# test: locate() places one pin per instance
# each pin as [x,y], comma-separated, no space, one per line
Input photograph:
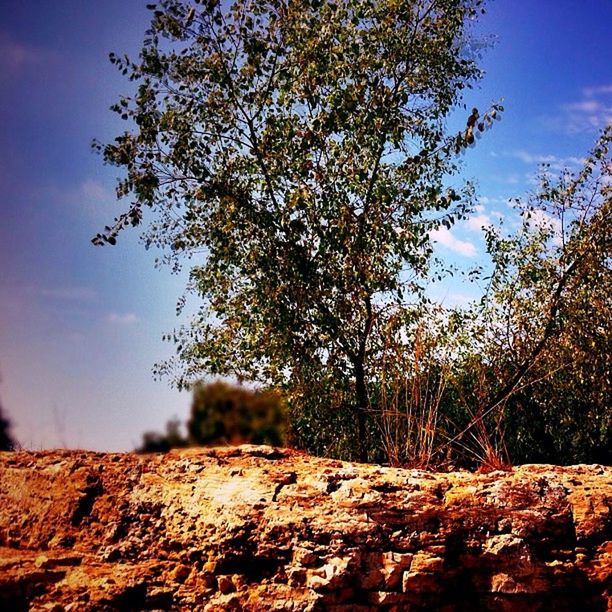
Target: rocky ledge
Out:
[256,528]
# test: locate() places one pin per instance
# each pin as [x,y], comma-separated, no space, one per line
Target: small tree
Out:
[299,150]
[227,414]
[224,414]
[537,364]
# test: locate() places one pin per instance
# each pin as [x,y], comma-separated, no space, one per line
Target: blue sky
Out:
[80,327]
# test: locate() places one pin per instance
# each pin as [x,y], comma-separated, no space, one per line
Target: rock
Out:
[384,570]
[225,584]
[424,563]
[257,528]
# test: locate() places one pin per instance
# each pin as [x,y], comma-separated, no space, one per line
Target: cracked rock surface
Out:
[256,528]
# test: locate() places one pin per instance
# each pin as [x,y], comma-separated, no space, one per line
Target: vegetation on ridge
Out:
[298,153]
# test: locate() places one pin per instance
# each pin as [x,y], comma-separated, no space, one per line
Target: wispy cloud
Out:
[93,191]
[66,293]
[76,294]
[592,112]
[15,55]
[587,116]
[542,219]
[93,197]
[444,237]
[590,92]
[477,222]
[484,201]
[506,179]
[88,195]
[553,161]
[458,299]
[126,318]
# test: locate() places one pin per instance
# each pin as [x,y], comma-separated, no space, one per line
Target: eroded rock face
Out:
[255,528]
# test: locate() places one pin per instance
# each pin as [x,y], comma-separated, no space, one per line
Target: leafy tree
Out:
[537,363]
[299,152]
[222,413]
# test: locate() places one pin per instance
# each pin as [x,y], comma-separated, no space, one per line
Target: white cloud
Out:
[586,106]
[506,179]
[127,318]
[459,299]
[484,201]
[73,293]
[587,116]
[444,237]
[553,161]
[530,158]
[540,218]
[90,196]
[590,113]
[589,92]
[477,222]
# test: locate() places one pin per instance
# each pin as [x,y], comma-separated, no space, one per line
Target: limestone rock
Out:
[256,528]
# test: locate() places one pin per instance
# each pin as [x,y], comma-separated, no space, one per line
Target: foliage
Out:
[225,414]
[6,441]
[538,366]
[154,442]
[221,413]
[524,374]
[299,152]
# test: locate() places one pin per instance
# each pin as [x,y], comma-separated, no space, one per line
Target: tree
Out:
[224,414]
[221,413]
[6,441]
[299,151]
[540,342]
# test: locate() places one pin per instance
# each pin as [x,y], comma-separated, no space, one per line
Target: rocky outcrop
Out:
[256,528]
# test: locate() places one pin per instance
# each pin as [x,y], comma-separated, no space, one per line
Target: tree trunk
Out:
[362,408]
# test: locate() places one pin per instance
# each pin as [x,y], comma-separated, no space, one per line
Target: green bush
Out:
[226,414]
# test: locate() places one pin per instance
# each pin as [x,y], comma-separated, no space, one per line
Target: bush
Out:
[6,441]
[154,442]
[226,414]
